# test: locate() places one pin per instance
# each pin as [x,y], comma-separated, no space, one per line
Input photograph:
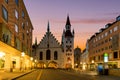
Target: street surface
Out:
[56,74]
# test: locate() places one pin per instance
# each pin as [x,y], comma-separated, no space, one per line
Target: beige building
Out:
[48,52]
[15,35]
[104,46]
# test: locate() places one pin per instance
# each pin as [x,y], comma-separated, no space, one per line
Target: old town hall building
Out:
[50,53]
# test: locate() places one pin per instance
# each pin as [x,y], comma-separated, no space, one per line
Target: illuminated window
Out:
[16,14]
[111,31]
[4,13]
[116,28]
[106,34]
[16,28]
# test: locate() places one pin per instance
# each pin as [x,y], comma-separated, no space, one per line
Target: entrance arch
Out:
[52,64]
[41,65]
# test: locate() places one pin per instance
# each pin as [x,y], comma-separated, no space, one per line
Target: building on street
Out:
[15,36]
[77,54]
[104,46]
[50,53]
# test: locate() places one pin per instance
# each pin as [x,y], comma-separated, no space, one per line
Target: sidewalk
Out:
[13,75]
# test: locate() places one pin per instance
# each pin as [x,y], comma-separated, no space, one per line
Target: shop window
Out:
[4,13]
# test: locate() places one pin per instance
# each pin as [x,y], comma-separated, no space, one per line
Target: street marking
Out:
[39,75]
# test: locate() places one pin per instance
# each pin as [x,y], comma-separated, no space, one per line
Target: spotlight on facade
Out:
[22,54]
[92,61]
[2,54]
[31,58]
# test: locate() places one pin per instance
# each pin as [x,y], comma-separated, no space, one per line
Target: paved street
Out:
[52,74]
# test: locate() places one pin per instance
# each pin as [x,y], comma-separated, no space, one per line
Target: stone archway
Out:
[41,65]
[52,64]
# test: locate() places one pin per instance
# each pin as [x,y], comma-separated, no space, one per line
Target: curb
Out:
[21,75]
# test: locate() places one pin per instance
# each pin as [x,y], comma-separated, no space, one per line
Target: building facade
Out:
[77,54]
[15,35]
[104,46]
[84,58]
[50,53]
[68,45]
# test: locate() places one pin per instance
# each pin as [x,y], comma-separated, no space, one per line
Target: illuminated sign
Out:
[105,57]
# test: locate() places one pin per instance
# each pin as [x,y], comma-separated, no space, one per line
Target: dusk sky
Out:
[86,16]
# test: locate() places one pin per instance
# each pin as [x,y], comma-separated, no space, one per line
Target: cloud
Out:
[92,21]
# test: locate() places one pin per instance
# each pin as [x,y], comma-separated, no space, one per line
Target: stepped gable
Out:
[49,40]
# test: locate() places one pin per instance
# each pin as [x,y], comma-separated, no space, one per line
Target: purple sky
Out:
[86,16]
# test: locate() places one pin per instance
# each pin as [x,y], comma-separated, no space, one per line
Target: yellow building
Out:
[15,35]
[104,46]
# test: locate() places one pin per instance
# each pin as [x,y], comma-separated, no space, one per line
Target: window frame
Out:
[4,13]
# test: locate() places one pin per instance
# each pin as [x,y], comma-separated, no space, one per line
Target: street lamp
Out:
[31,58]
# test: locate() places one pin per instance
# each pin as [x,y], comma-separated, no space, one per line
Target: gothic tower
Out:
[68,45]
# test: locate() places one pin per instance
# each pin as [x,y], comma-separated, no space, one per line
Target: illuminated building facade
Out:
[15,35]
[104,46]
[68,45]
[50,53]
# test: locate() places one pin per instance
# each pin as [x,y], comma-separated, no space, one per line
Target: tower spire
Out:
[68,25]
[48,27]
[68,20]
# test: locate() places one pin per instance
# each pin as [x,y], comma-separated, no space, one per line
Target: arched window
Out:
[55,55]
[48,55]
[41,56]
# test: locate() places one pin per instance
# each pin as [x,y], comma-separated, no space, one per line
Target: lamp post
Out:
[31,61]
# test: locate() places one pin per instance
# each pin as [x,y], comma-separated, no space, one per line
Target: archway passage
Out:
[41,65]
[52,64]
[68,66]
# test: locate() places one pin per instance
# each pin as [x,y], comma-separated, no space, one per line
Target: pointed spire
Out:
[48,27]
[68,20]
